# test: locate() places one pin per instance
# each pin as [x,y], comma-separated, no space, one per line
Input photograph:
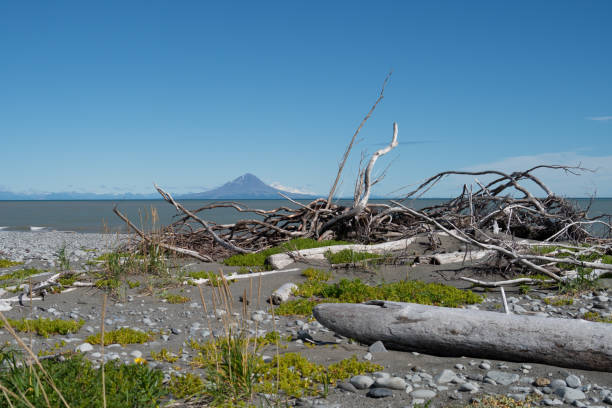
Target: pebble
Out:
[468,387]
[445,376]
[503,378]
[423,394]
[569,394]
[83,348]
[542,382]
[573,381]
[361,382]
[394,383]
[379,393]
[557,384]
[347,386]
[136,354]
[377,347]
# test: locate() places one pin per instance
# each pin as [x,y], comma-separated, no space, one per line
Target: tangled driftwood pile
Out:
[490,217]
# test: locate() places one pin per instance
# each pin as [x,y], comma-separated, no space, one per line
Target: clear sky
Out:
[113,96]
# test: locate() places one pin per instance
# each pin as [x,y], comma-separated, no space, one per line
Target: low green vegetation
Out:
[122,336]
[45,327]
[164,355]
[213,278]
[317,290]
[235,372]
[596,317]
[559,301]
[63,259]
[349,256]
[68,279]
[186,385]
[5,263]
[175,299]
[502,401]
[20,274]
[79,383]
[259,258]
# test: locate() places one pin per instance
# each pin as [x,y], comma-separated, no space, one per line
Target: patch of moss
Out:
[259,258]
[355,291]
[45,327]
[132,284]
[20,274]
[107,283]
[349,256]
[122,336]
[501,401]
[176,299]
[5,263]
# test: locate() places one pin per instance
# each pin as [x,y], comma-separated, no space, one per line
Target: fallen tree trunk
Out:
[464,332]
[279,261]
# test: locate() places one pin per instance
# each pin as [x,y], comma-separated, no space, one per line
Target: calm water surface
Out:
[98,216]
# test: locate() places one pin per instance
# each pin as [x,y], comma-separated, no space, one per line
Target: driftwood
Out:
[283,293]
[499,216]
[282,260]
[463,332]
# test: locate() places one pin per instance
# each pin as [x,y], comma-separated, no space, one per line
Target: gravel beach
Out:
[407,379]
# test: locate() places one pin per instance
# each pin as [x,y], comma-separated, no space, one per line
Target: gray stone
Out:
[136,354]
[445,376]
[377,347]
[347,386]
[485,366]
[468,387]
[518,397]
[379,393]
[502,377]
[569,394]
[367,356]
[394,383]
[557,384]
[361,382]
[423,394]
[83,348]
[551,402]
[573,381]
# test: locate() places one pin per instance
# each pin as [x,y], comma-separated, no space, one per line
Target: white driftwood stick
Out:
[283,293]
[453,257]
[445,331]
[279,261]
[243,276]
[487,284]
[503,293]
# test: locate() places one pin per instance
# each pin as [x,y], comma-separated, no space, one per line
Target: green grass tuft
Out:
[20,274]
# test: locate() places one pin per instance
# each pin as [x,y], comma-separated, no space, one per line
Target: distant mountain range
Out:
[247,186]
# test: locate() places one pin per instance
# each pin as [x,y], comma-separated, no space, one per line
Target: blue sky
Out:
[113,96]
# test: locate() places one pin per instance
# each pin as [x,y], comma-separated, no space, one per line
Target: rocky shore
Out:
[407,379]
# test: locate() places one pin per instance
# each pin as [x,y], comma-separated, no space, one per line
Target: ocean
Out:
[98,216]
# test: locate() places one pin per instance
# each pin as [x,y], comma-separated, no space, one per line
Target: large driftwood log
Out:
[279,261]
[463,332]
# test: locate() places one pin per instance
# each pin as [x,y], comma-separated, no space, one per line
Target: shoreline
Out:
[43,246]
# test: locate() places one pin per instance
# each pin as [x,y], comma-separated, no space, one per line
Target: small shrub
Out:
[63,259]
[164,355]
[596,317]
[121,336]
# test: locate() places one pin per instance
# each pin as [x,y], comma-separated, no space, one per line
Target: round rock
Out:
[83,348]
[361,382]
[379,393]
[423,394]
